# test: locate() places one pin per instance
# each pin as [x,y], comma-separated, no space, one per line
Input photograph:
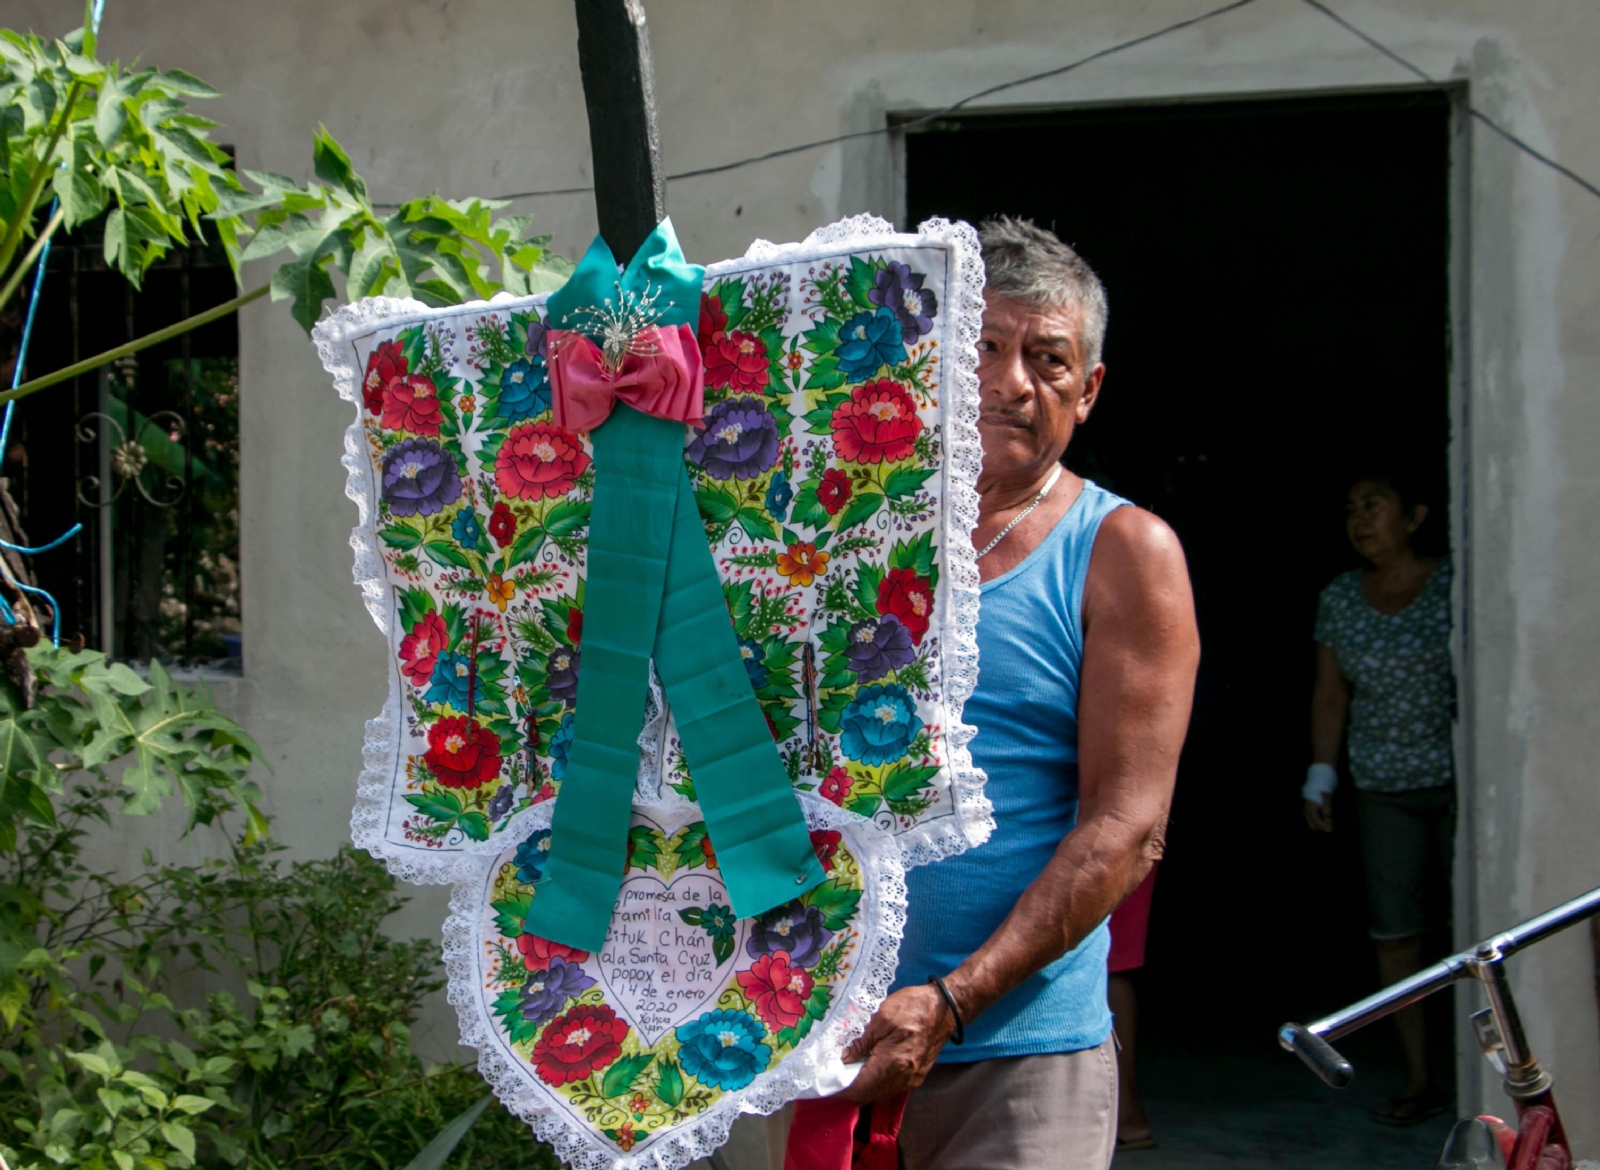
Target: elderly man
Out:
[1087,654]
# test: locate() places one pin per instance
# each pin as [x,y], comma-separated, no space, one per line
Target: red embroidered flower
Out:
[626,1137]
[587,1038]
[420,649]
[502,524]
[385,365]
[461,753]
[878,423]
[825,843]
[834,491]
[574,625]
[710,851]
[835,786]
[778,989]
[537,952]
[910,598]
[538,460]
[411,404]
[712,320]
[737,361]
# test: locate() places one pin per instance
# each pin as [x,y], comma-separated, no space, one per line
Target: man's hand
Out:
[900,1044]
[1319,814]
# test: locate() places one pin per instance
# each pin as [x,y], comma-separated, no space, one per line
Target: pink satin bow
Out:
[669,383]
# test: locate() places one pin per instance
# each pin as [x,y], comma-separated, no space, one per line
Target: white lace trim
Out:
[882,918]
[973,817]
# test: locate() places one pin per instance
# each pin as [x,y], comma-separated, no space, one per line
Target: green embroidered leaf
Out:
[825,375]
[508,915]
[686,845]
[836,901]
[868,580]
[823,338]
[694,916]
[730,292]
[859,510]
[904,481]
[526,548]
[829,710]
[414,604]
[862,279]
[916,555]
[902,783]
[669,1082]
[756,524]
[863,805]
[447,554]
[740,604]
[441,806]
[721,948]
[400,537]
[508,1007]
[646,854]
[475,825]
[835,638]
[567,517]
[716,506]
[621,1075]
[807,511]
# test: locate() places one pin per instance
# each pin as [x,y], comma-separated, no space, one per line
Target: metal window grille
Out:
[145,453]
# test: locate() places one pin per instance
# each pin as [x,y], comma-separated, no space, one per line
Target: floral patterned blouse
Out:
[1402,683]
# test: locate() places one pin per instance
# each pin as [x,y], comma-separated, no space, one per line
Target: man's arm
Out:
[1141,649]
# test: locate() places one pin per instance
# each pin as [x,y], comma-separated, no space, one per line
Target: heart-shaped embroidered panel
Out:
[642,1054]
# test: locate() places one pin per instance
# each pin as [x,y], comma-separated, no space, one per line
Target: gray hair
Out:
[1025,263]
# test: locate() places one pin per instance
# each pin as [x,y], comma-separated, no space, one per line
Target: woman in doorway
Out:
[1384,683]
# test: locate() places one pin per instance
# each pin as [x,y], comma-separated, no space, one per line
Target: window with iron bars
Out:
[144,453]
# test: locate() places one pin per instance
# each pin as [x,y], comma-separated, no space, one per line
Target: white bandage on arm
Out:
[1321,780]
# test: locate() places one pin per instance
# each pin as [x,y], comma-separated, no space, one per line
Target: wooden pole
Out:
[630,189]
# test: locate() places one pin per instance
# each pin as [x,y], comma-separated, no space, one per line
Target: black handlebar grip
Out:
[1317,1054]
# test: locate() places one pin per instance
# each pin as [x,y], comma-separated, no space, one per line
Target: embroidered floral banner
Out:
[835,476]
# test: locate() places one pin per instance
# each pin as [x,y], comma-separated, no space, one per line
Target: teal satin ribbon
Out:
[652,591]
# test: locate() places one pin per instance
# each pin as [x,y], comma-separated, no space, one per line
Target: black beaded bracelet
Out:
[960,1034]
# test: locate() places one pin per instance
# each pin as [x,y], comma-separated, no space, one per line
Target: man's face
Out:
[1033,386]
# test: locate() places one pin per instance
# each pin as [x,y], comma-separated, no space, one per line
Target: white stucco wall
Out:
[482,96]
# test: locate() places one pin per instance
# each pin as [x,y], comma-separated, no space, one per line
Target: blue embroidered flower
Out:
[754,662]
[531,856]
[561,747]
[868,342]
[547,992]
[723,1049]
[793,928]
[879,724]
[466,529]
[451,681]
[524,390]
[779,495]
[500,802]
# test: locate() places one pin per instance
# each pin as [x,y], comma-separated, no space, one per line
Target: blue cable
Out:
[56,543]
[55,610]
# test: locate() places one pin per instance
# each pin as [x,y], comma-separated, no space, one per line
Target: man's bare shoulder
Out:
[1138,567]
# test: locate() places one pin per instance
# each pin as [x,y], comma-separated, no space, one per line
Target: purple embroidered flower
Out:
[419,478]
[500,802]
[794,928]
[878,646]
[901,290]
[740,440]
[538,341]
[546,992]
[562,677]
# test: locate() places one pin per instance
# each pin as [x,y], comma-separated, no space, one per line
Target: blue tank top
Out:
[1025,709]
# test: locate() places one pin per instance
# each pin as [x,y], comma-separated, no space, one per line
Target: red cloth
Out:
[1130,923]
[668,383]
[824,1135]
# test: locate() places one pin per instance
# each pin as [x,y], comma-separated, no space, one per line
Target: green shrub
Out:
[297,1054]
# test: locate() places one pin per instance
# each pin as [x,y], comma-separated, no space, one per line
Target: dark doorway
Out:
[1277,273]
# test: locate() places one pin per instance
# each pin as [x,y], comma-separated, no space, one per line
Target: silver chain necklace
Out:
[1022,515]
